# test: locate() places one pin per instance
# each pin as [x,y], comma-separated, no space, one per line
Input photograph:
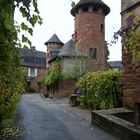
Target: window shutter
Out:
[35,72]
[29,72]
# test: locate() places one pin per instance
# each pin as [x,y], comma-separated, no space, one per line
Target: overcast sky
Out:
[57,19]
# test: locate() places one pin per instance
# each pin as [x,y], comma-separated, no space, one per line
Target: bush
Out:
[53,75]
[100,90]
[11,86]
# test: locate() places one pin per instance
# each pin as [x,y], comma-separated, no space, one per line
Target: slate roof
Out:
[115,64]
[68,50]
[54,39]
[97,3]
[30,58]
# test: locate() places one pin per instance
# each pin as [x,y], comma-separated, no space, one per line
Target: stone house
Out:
[88,40]
[130,12]
[89,33]
[34,64]
[131,79]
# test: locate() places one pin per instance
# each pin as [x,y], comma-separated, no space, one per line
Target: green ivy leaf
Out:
[30,30]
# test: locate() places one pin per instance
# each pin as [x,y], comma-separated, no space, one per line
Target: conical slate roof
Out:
[97,3]
[54,39]
[68,49]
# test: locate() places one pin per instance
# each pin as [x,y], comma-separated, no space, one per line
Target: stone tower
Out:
[89,33]
[54,44]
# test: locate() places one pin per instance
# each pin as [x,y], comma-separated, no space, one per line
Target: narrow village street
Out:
[54,119]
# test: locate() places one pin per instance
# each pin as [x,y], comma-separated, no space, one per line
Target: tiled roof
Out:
[54,39]
[30,58]
[115,64]
[68,49]
[97,3]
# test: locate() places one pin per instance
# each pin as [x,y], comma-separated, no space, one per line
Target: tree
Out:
[11,76]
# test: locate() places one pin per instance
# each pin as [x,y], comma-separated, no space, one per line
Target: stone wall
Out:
[131,75]
[65,88]
[61,89]
[51,47]
[34,84]
[90,33]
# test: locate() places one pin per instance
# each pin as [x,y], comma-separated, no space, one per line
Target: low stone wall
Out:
[107,120]
[60,89]
[65,88]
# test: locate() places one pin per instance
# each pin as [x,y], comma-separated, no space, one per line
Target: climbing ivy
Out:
[53,75]
[131,35]
[11,75]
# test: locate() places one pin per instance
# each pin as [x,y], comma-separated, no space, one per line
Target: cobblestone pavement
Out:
[54,119]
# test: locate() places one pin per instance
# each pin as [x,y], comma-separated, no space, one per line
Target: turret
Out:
[89,33]
[54,44]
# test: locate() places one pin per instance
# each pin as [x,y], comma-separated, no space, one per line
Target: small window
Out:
[32,72]
[93,53]
[54,54]
[95,9]
[102,28]
[85,9]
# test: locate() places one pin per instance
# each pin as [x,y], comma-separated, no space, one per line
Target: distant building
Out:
[34,64]
[115,65]
[54,44]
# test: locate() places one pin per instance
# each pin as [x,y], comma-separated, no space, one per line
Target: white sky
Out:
[57,19]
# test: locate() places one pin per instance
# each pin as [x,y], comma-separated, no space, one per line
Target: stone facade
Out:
[54,44]
[89,34]
[34,64]
[34,84]
[131,75]
[88,41]
[61,89]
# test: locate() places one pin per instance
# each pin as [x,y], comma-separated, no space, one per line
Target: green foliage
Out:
[11,87]
[73,73]
[98,89]
[72,4]
[11,77]
[30,12]
[53,75]
[132,41]
[130,34]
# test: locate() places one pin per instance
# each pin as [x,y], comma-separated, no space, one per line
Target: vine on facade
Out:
[131,35]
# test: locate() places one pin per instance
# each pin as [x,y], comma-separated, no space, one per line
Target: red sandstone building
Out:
[131,78]
[34,64]
[87,41]
[89,35]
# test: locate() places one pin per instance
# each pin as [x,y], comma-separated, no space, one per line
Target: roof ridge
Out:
[54,39]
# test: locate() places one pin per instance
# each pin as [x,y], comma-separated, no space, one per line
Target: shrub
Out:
[53,76]
[11,87]
[100,90]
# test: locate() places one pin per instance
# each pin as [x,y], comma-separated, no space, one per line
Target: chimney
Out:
[33,48]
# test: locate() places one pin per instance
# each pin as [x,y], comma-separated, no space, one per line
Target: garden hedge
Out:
[100,90]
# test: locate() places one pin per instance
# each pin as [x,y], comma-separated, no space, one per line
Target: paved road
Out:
[53,119]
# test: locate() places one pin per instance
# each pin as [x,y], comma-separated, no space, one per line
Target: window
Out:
[95,9]
[102,28]
[85,9]
[54,54]
[93,53]
[32,72]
